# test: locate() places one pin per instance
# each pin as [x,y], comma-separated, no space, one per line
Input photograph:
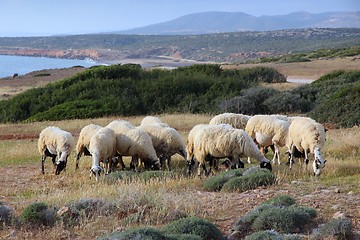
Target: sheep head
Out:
[60,165]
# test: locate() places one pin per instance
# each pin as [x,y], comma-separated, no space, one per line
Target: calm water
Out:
[22,65]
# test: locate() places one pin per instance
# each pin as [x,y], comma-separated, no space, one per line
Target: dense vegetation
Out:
[233,46]
[313,55]
[130,90]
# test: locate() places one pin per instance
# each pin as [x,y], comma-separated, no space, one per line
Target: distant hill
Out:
[215,22]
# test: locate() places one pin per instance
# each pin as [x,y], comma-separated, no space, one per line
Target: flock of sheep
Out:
[152,144]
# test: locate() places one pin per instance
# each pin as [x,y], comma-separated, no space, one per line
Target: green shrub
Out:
[6,215]
[279,213]
[118,175]
[281,201]
[196,226]
[215,183]
[257,178]
[264,235]
[90,207]
[272,235]
[144,233]
[283,220]
[336,229]
[147,175]
[38,214]
[183,237]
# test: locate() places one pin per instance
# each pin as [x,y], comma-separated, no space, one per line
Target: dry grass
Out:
[153,202]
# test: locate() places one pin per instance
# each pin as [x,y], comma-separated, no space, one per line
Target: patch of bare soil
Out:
[10,86]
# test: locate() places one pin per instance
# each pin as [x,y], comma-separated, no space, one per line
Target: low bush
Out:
[280,213]
[281,201]
[256,178]
[272,235]
[196,226]
[335,229]
[215,183]
[6,215]
[37,214]
[118,175]
[144,233]
[283,220]
[90,207]
[147,175]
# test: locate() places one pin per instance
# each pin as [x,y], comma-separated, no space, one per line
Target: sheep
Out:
[150,120]
[83,142]
[102,148]
[235,120]
[54,142]
[217,141]
[134,142]
[268,130]
[306,135]
[166,141]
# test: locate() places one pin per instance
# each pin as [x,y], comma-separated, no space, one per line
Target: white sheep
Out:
[235,120]
[166,141]
[102,148]
[217,141]
[268,130]
[151,120]
[83,142]
[134,142]
[306,135]
[54,142]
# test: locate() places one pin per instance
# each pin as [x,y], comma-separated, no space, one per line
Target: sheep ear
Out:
[324,161]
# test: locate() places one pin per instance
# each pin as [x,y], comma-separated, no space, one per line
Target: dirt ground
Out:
[327,202]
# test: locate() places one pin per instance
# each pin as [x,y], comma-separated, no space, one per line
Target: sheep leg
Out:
[77,160]
[135,163]
[306,159]
[43,157]
[169,163]
[292,157]
[277,153]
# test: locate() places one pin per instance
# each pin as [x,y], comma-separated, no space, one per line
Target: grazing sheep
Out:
[150,120]
[166,141]
[83,142]
[102,148]
[306,135]
[268,130]
[235,120]
[134,142]
[217,141]
[54,142]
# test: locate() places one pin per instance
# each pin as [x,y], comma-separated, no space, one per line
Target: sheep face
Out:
[151,164]
[266,165]
[319,162]
[61,165]
[95,170]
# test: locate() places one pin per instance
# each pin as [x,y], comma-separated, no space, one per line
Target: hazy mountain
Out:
[214,22]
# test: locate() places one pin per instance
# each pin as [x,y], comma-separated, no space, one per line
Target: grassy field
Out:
[155,202]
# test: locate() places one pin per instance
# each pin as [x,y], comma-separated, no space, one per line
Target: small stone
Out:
[350,193]
[337,190]
[339,215]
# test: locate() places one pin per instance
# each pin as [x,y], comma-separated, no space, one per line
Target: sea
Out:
[9,65]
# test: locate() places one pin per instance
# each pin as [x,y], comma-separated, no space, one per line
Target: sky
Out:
[56,17]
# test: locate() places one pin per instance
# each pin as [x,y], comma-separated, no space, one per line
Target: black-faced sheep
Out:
[134,142]
[102,148]
[83,142]
[54,142]
[306,135]
[218,141]
[166,141]
[268,130]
